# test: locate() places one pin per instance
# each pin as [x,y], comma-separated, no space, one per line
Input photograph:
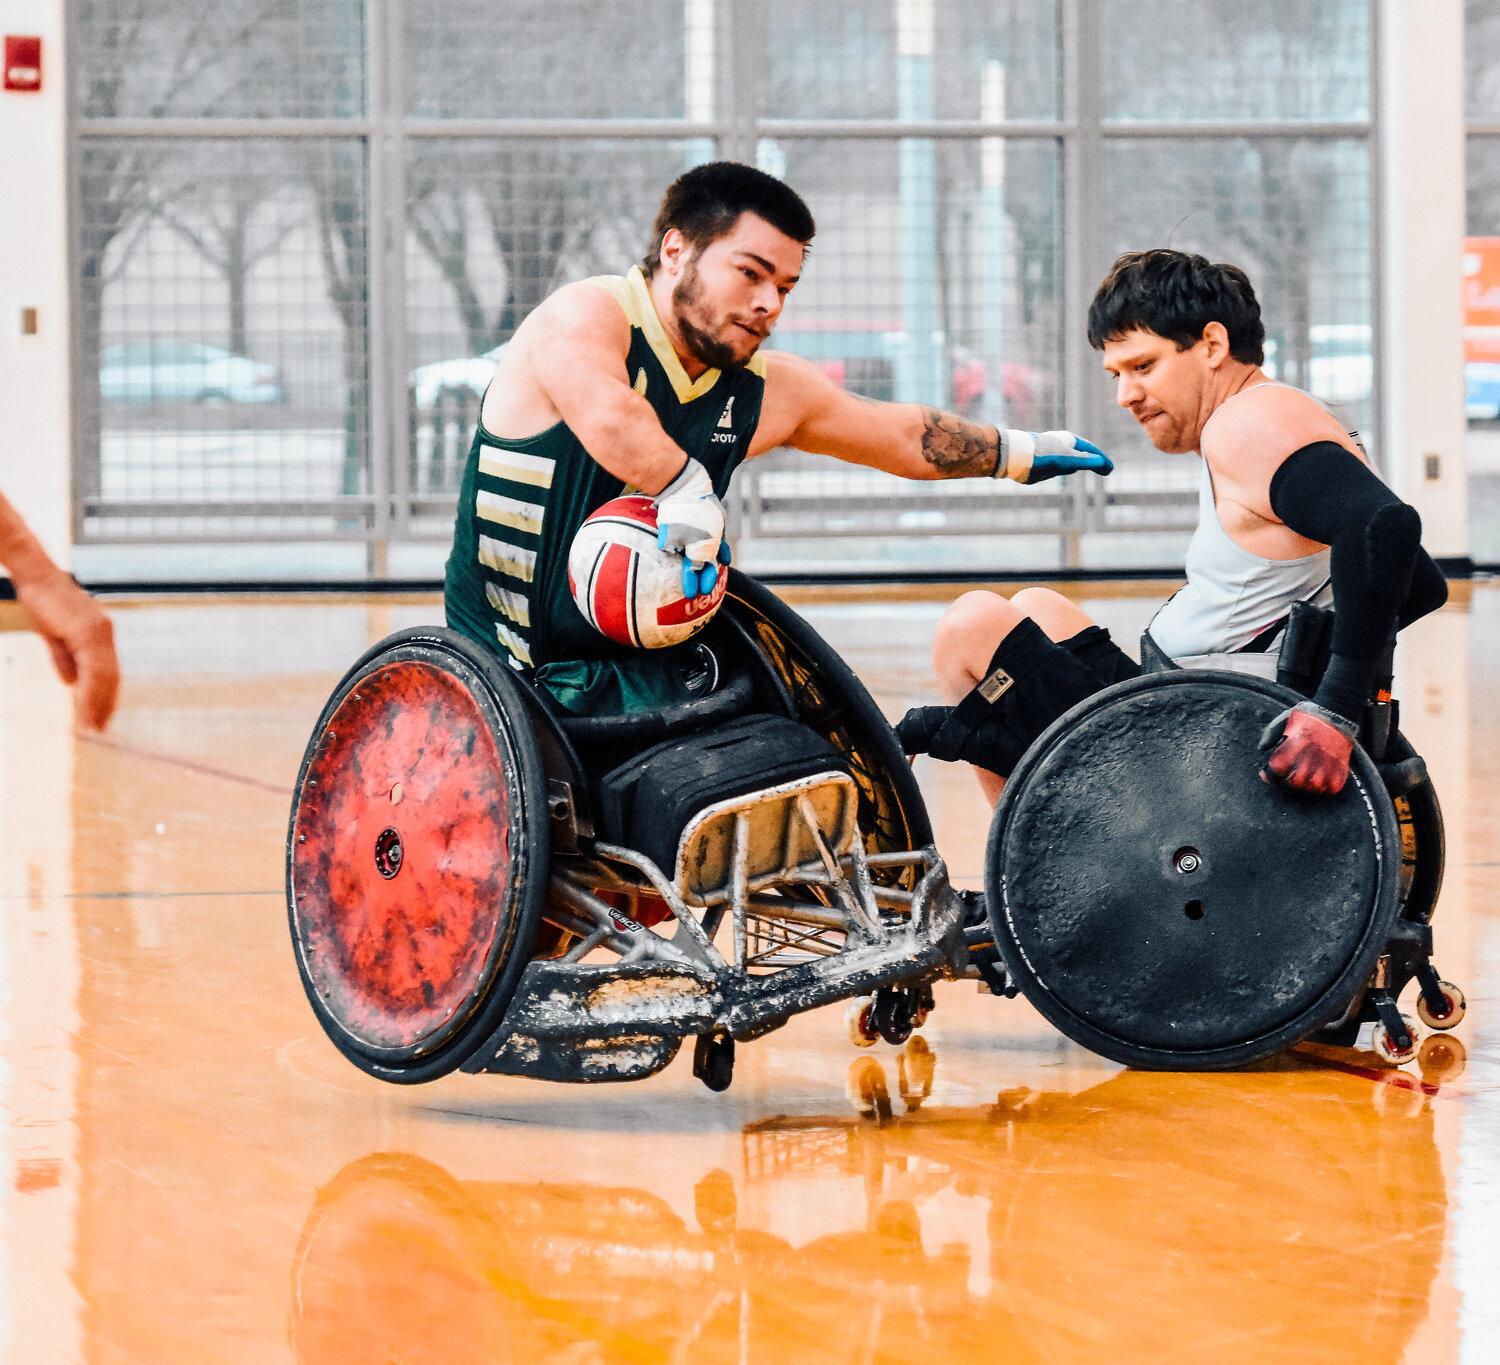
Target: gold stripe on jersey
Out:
[518,515]
[514,643]
[517,467]
[633,294]
[511,560]
[511,605]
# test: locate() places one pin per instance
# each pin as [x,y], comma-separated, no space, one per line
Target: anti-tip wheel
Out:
[713,1060]
[1385,1046]
[1456,1005]
[893,1014]
[857,1022]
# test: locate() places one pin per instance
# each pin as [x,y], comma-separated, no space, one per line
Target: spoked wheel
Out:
[1163,906]
[417,855]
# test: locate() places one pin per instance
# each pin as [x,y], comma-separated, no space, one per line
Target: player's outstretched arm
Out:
[805,409]
[78,633]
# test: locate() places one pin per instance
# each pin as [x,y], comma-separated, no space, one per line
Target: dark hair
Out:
[1176,294]
[706,202]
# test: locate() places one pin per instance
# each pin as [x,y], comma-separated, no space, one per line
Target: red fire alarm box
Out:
[23,63]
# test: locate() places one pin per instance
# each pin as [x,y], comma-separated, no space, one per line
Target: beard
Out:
[694,325]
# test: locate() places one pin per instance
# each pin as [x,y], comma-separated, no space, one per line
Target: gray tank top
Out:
[1231,594]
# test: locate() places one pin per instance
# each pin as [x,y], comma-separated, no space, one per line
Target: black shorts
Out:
[1056,678]
[1105,661]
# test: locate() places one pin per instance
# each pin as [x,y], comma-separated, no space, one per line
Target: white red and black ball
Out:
[627,588]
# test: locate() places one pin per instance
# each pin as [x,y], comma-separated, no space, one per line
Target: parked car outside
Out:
[444,398]
[166,371]
[466,375]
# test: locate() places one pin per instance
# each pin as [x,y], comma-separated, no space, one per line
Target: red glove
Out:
[1310,749]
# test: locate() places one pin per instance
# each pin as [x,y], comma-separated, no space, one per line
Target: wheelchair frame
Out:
[853,897]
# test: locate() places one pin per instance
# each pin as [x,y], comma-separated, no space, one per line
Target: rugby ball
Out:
[629,590]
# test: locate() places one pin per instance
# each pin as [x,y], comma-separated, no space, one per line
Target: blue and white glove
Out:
[690,522]
[1031,456]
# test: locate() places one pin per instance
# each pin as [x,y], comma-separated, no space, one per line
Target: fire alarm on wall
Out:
[23,62]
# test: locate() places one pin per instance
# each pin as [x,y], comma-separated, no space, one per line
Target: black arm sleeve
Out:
[1382,578]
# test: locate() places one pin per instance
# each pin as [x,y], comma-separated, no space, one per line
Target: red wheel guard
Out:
[401,859]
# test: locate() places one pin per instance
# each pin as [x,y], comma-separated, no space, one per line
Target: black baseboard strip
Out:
[1457,567]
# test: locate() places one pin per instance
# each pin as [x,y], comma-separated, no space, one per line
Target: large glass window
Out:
[1187,60]
[551,58]
[254,59]
[1294,215]
[1481,285]
[492,228]
[223,324]
[291,299]
[1482,61]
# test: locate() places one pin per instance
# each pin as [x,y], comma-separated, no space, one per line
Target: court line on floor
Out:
[208,770]
[132,895]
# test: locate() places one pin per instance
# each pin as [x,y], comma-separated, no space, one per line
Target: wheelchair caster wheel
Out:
[893,1015]
[1386,1048]
[713,1060]
[1442,1060]
[857,1022]
[1453,999]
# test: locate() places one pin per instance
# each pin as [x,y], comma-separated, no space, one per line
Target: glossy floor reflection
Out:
[194,1175]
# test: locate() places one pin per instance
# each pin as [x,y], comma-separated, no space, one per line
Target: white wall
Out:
[1423,221]
[35,442]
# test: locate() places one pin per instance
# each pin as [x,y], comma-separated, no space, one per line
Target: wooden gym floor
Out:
[193,1174]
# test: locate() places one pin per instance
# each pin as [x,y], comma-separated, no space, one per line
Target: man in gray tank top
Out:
[1288,507]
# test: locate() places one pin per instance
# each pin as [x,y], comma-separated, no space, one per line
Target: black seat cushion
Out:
[646,802]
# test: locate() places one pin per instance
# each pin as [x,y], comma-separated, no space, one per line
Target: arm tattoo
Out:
[959,449]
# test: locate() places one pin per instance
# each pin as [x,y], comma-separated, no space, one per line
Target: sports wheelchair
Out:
[478,881]
[1164,907]
[462,854]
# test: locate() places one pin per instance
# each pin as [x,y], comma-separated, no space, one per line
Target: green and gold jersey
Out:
[523,500]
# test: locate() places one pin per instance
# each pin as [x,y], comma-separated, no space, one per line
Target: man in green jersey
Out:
[655,381]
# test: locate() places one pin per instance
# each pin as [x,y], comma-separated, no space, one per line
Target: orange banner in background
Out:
[1482,298]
